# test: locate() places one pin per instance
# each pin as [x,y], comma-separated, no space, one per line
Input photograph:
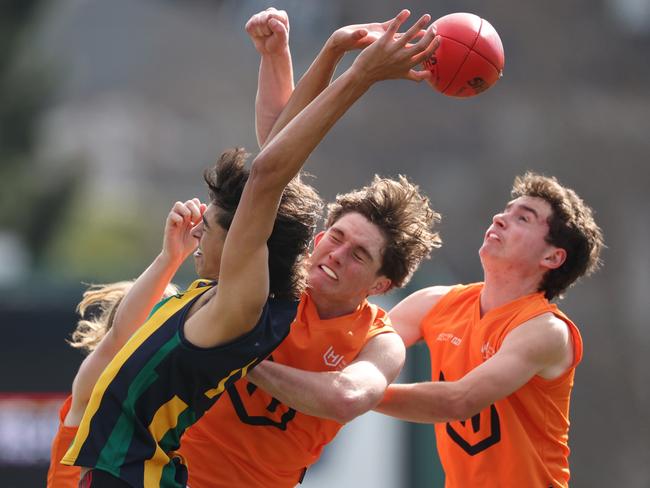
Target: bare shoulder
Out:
[388,344]
[547,339]
[422,300]
[549,327]
[407,315]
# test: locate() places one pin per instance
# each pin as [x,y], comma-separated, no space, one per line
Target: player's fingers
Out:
[278,28]
[282,16]
[416,37]
[414,30]
[175,219]
[395,23]
[419,76]
[253,23]
[195,212]
[430,49]
[359,34]
[181,209]
[263,29]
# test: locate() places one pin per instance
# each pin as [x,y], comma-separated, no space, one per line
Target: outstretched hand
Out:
[392,55]
[269,31]
[178,241]
[360,36]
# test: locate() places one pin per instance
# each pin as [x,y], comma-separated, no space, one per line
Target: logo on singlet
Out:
[475,436]
[333,360]
[270,417]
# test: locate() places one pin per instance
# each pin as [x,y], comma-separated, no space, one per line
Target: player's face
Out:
[345,264]
[516,240]
[207,258]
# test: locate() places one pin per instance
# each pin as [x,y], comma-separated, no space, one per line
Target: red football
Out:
[469,58]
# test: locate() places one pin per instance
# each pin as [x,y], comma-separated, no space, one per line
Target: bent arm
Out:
[269,32]
[132,311]
[131,314]
[541,344]
[244,276]
[312,83]
[274,87]
[336,395]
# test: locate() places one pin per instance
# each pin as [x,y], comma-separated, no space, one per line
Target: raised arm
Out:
[145,292]
[269,31]
[337,395]
[320,73]
[542,346]
[243,277]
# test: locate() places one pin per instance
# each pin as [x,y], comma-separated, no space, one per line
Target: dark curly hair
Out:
[295,224]
[404,217]
[571,227]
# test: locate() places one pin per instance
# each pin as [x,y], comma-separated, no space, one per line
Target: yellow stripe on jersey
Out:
[165,419]
[158,319]
[222,384]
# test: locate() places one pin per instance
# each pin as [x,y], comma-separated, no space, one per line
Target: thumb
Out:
[278,28]
[419,76]
[359,34]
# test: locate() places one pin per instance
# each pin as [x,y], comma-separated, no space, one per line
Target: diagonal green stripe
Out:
[117,445]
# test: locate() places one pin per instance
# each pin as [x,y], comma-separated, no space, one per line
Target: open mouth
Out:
[198,253]
[328,272]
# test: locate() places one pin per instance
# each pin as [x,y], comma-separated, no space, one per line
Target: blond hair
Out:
[97,311]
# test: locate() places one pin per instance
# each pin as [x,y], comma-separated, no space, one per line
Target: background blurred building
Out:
[109,111]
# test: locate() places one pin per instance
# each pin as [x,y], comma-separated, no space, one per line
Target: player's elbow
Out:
[266,171]
[350,403]
[461,406]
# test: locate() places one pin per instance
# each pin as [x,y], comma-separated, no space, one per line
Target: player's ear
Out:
[554,258]
[381,285]
[318,237]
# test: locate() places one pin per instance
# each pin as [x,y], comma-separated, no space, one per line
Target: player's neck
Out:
[330,309]
[500,289]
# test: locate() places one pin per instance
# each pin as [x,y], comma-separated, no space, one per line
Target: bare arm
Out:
[320,73]
[337,395]
[407,315]
[542,346]
[145,292]
[243,281]
[269,31]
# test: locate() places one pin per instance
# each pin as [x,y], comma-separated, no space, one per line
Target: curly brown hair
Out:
[404,217]
[571,227]
[295,224]
[97,311]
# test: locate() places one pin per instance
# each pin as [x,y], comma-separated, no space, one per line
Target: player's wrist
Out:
[169,260]
[333,48]
[277,53]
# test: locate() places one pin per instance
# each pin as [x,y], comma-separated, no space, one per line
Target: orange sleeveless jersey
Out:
[59,475]
[249,439]
[520,440]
